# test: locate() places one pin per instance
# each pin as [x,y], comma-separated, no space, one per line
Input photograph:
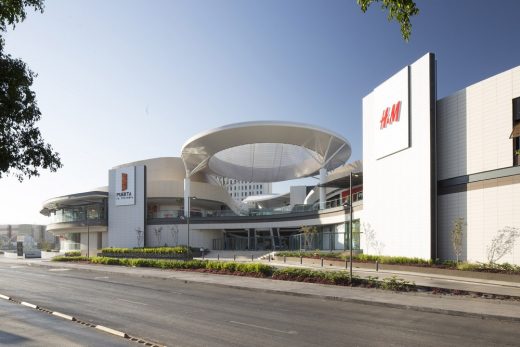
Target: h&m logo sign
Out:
[390,115]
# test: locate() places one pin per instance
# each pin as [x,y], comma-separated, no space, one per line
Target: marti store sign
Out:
[125,186]
[391,115]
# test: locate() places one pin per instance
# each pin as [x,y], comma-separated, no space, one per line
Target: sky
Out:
[126,80]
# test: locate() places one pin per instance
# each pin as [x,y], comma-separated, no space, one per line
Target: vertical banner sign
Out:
[125,186]
[391,116]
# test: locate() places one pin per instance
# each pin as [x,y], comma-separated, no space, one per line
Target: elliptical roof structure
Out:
[267,151]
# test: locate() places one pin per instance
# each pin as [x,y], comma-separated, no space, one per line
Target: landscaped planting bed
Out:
[504,268]
[179,252]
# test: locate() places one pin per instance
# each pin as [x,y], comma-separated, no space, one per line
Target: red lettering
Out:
[390,116]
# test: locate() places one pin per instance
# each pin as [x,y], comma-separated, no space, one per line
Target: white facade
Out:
[397,162]
[476,167]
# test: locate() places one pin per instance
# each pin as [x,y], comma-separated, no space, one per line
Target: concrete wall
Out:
[174,235]
[397,189]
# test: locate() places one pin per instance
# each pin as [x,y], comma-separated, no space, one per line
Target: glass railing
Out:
[204,213]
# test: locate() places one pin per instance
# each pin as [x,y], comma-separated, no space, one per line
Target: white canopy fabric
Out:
[265,151]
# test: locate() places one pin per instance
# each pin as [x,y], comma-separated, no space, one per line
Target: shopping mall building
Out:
[426,163]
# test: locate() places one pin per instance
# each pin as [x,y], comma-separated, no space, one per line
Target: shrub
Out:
[396,284]
[151,250]
[73,254]
[69,258]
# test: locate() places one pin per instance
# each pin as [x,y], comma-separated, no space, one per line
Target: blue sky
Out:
[120,81]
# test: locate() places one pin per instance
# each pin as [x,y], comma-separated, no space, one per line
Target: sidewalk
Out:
[453,305]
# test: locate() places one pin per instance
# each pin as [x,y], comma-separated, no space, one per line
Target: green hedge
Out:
[73,254]
[69,258]
[359,257]
[486,267]
[154,250]
[258,268]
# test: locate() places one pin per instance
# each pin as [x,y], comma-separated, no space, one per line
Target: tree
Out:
[371,239]
[502,243]
[457,234]
[399,10]
[22,149]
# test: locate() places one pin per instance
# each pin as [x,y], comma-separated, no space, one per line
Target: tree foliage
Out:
[398,10]
[22,148]
[502,244]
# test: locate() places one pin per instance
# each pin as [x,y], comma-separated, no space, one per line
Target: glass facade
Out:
[78,214]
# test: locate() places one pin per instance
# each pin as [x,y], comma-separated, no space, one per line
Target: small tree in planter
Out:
[174,230]
[158,235]
[457,235]
[309,233]
[139,233]
[371,239]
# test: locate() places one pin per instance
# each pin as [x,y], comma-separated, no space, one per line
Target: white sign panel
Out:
[125,186]
[391,115]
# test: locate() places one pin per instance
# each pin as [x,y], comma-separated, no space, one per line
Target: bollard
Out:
[301,260]
[218,256]
[346,263]
[284,260]
[377,265]
[321,262]
[234,257]
[269,257]
[252,259]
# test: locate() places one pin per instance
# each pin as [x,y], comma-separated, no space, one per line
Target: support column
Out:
[323,175]
[187,193]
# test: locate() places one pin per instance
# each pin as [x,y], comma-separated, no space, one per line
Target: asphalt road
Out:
[176,313]
[21,326]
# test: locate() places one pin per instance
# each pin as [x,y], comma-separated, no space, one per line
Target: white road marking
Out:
[290,332]
[133,302]
[16,267]
[56,270]
[101,278]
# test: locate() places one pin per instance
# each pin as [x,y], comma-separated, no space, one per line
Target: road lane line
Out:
[56,270]
[101,278]
[28,304]
[62,315]
[133,302]
[112,331]
[290,332]
[5,297]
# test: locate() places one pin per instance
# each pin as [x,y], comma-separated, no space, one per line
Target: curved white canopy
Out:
[265,151]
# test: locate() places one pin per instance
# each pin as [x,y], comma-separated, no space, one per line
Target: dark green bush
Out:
[73,254]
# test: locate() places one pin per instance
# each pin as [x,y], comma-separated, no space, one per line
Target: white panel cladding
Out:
[486,207]
[474,124]
[397,195]
[124,220]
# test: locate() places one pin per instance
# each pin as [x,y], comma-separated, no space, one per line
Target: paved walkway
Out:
[454,305]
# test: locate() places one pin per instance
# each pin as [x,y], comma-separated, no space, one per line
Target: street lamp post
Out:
[350,227]
[88,232]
